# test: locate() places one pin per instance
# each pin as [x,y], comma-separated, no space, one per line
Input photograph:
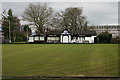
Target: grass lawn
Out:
[87,60]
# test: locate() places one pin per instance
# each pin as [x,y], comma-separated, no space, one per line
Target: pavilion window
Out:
[30,38]
[37,38]
[57,38]
[41,38]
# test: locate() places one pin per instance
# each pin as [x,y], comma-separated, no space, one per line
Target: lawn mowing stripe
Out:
[60,59]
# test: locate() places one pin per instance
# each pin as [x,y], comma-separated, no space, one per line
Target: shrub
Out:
[19,39]
[105,37]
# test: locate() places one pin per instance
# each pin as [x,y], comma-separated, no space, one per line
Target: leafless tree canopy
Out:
[42,15]
[73,19]
[39,14]
[56,20]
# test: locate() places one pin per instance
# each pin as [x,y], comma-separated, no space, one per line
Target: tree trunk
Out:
[14,38]
[40,30]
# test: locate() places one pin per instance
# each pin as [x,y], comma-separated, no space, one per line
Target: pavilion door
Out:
[65,39]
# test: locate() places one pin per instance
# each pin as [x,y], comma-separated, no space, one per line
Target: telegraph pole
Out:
[27,33]
[9,32]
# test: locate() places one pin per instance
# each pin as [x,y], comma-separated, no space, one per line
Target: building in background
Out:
[113,29]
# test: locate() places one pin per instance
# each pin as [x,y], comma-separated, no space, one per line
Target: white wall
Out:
[69,38]
[90,39]
[30,39]
[61,38]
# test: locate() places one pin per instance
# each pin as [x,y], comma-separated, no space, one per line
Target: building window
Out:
[41,38]
[36,38]
[30,38]
[52,38]
[57,38]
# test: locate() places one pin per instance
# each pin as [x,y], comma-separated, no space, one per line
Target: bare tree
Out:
[72,18]
[56,20]
[40,14]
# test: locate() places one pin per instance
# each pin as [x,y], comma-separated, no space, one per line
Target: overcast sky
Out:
[97,13]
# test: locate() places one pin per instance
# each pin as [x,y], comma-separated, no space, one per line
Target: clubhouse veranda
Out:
[64,36]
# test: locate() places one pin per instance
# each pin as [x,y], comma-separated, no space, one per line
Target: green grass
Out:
[86,60]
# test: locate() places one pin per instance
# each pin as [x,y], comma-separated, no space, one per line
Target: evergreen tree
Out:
[13,21]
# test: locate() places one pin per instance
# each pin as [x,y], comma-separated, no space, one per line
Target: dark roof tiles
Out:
[77,32]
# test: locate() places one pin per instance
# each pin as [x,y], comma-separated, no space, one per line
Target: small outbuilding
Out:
[65,36]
